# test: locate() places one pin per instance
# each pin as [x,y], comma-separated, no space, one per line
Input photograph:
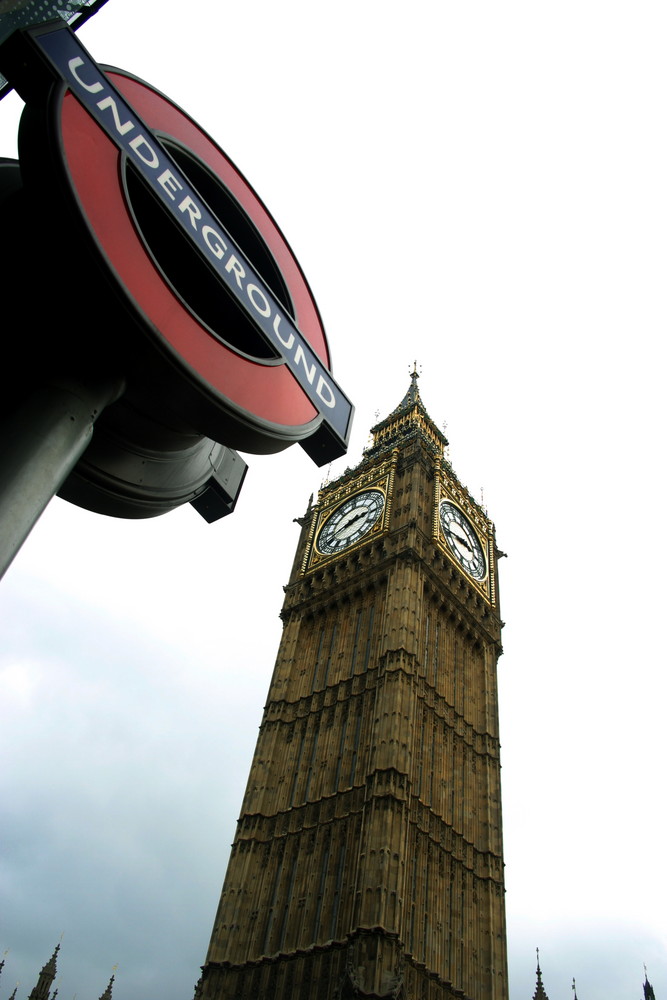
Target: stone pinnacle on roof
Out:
[107,995]
[46,977]
[648,989]
[540,992]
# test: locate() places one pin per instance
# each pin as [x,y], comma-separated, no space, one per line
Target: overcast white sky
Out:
[480,186]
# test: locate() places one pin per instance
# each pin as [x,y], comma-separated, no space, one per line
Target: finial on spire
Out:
[406,421]
[412,395]
[50,967]
[539,993]
[648,989]
[574,988]
[107,995]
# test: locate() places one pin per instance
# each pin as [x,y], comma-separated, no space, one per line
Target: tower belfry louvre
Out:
[368,857]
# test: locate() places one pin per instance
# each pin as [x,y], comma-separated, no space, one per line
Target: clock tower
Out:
[368,857]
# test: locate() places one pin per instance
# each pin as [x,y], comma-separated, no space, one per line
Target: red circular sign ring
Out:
[265,397]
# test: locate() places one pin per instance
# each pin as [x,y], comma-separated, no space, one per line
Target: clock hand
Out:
[352,521]
[462,541]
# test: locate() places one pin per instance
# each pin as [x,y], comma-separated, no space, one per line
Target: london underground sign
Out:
[235,326]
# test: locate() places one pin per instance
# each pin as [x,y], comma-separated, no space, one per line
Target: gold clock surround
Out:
[329,503]
[447,488]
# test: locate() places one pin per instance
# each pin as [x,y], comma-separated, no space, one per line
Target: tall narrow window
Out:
[297,766]
[332,646]
[433,740]
[369,633]
[455,674]
[425,952]
[341,745]
[413,895]
[318,658]
[274,897]
[322,886]
[288,901]
[311,765]
[355,747]
[450,921]
[355,644]
[338,888]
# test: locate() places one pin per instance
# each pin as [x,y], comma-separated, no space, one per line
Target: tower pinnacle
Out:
[47,975]
[648,989]
[107,995]
[410,418]
[540,993]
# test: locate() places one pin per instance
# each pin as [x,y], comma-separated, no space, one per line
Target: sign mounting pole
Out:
[42,443]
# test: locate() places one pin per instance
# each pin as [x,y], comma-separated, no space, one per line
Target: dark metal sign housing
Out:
[15,14]
[110,127]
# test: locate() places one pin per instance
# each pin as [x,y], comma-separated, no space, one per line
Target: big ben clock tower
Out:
[368,857]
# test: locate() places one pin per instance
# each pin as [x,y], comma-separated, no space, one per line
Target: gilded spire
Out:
[408,419]
[412,396]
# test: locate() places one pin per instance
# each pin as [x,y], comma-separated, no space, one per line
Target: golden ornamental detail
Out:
[350,517]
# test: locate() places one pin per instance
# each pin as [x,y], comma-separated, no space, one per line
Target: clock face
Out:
[350,521]
[462,540]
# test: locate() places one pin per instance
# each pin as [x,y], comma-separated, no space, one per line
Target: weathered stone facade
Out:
[368,857]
